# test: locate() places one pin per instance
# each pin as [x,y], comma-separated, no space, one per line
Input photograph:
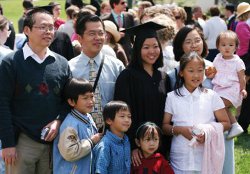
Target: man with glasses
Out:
[32,81]
[123,20]
[91,35]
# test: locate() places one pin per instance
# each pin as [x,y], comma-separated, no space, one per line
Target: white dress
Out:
[189,110]
[226,81]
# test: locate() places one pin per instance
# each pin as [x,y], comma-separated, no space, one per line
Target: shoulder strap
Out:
[98,73]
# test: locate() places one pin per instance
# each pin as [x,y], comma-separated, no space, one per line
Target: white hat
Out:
[111,28]
[242,8]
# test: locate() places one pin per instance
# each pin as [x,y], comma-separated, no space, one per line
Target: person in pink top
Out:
[243,32]
[229,78]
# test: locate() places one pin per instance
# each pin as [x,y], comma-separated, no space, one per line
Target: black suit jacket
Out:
[128,21]
[231,25]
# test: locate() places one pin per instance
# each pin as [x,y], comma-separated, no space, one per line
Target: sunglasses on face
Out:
[123,2]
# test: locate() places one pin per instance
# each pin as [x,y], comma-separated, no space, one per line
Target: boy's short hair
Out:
[111,108]
[75,87]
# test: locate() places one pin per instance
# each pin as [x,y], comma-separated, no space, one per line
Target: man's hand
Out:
[54,128]
[9,155]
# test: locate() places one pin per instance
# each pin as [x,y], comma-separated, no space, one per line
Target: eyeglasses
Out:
[45,28]
[94,33]
[192,42]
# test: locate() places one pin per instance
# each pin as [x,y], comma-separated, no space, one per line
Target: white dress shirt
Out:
[189,110]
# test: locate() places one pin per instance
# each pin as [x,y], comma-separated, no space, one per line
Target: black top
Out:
[144,94]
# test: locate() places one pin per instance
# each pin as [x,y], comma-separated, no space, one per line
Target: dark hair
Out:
[3,22]
[230,7]
[180,38]
[83,18]
[29,20]
[146,129]
[75,87]
[112,107]
[185,59]
[112,2]
[136,59]
[214,11]
[27,4]
[227,34]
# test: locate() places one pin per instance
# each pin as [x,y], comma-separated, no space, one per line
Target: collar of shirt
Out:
[115,15]
[85,117]
[115,138]
[186,93]
[230,17]
[27,51]
[97,59]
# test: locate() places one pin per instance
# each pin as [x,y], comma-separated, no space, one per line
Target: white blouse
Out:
[189,110]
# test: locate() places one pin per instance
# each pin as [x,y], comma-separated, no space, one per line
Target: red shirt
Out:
[58,22]
[155,164]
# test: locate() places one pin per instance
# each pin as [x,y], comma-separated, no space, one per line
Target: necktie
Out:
[119,21]
[97,111]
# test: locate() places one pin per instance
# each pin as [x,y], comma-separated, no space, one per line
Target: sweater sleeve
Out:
[71,147]
[7,90]
[65,108]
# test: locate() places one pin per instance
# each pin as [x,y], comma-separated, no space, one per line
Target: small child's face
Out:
[84,103]
[149,144]
[227,47]
[121,123]
[193,74]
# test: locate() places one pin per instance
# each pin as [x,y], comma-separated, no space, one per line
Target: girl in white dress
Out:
[186,107]
[229,78]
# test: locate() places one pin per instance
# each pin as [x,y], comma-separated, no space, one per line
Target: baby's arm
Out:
[168,129]
[242,80]
[222,117]
[71,147]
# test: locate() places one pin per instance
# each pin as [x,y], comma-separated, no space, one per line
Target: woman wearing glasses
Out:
[4,34]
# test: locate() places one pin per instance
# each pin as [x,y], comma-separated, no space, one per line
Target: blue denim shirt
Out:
[112,155]
[110,71]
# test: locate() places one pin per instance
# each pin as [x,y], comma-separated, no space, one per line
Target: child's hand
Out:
[200,138]
[243,93]
[186,131]
[96,138]
[210,72]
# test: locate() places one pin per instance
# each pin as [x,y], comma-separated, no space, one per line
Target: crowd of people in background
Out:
[157,88]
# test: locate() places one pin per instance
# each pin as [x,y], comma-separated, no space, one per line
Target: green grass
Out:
[13,9]
[242,153]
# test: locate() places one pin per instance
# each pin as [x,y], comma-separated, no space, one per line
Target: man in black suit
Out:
[122,19]
[229,13]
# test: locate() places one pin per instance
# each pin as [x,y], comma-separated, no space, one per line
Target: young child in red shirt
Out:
[148,140]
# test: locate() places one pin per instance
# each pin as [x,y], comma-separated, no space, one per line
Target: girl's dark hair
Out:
[75,87]
[148,128]
[136,59]
[180,38]
[185,59]
[112,107]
